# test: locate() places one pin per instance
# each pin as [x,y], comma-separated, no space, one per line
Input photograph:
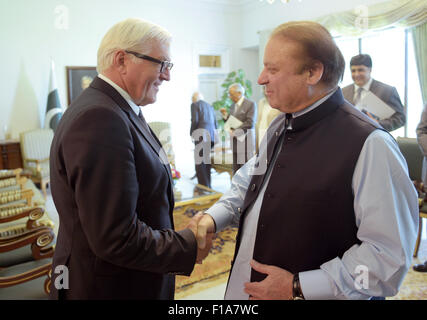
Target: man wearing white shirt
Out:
[326,210]
[361,67]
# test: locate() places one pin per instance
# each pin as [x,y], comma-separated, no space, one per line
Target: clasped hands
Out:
[276,286]
[203,228]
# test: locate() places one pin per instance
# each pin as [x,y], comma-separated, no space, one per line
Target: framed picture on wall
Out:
[78,79]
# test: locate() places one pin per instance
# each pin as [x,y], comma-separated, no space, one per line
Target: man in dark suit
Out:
[243,137]
[111,181]
[361,66]
[202,131]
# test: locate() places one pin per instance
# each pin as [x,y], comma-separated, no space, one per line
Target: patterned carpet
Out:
[214,269]
[414,287]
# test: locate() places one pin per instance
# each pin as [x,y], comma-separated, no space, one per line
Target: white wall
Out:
[268,16]
[261,16]
[30,36]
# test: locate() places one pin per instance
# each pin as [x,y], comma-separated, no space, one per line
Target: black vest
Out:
[307,215]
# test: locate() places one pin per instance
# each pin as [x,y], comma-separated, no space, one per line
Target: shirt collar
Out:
[239,103]
[314,105]
[122,92]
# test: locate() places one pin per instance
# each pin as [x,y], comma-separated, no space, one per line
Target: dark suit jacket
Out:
[203,117]
[247,114]
[114,199]
[389,95]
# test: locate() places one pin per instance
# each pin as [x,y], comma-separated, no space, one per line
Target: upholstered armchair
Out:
[163,133]
[414,158]
[35,149]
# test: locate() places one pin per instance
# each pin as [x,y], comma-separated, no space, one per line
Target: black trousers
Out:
[202,160]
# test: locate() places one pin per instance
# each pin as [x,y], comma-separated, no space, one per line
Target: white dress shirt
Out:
[386,214]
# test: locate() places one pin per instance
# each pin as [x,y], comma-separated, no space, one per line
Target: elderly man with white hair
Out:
[111,182]
[243,136]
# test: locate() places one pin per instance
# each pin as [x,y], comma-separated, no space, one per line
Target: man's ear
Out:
[120,61]
[315,73]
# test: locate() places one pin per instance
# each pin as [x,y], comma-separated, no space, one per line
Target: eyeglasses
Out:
[164,65]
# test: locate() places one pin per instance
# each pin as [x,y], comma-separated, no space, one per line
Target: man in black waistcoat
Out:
[326,210]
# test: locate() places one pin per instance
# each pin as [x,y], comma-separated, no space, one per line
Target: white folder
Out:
[375,106]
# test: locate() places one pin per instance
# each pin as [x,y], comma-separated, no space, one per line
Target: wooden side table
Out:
[10,154]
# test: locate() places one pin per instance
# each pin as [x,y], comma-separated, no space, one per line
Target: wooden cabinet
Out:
[10,154]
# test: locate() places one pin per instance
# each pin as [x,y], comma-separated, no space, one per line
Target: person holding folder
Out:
[365,90]
[243,138]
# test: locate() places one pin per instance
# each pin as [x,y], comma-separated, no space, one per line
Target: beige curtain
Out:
[363,19]
[419,36]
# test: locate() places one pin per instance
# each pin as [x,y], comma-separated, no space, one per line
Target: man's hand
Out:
[203,253]
[194,226]
[370,115]
[224,112]
[276,286]
[205,227]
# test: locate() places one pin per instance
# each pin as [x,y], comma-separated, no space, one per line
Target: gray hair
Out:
[131,34]
[238,87]
[196,96]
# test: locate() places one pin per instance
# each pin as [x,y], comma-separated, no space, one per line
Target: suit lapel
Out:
[146,132]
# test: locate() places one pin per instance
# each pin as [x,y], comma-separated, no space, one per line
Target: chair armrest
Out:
[16,213]
[39,239]
[32,270]
[37,161]
[14,195]
[15,173]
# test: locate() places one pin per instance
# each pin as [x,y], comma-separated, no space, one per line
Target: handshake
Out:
[203,227]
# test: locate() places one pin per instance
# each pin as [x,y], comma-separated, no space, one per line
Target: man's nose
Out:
[262,78]
[166,75]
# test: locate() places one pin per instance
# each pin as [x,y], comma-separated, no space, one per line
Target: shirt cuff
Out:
[221,220]
[315,285]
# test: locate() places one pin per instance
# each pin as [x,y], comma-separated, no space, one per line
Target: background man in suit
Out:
[243,137]
[266,114]
[422,141]
[202,131]
[111,182]
[361,66]
[334,214]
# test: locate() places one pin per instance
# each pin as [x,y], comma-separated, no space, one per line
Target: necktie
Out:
[358,96]
[140,116]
